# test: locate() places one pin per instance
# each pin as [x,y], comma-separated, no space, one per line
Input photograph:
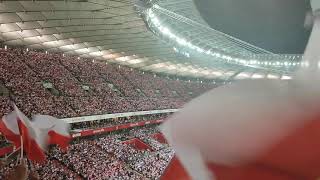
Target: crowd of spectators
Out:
[150,163]
[63,86]
[48,170]
[144,135]
[5,106]
[107,157]
[91,162]
[110,158]
[79,87]
[53,169]
[153,164]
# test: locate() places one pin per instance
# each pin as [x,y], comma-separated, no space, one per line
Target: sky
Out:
[274,25]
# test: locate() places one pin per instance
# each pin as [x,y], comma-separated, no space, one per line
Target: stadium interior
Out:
[115,70]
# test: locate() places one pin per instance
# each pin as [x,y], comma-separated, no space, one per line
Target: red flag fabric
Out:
[9,128]
[33,146]
[295,157]
[34,140]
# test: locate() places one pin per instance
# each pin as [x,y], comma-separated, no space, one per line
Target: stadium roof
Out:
[166,36]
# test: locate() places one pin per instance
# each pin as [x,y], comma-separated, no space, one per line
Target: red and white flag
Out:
[57,129]
[253,129]
[17,128]
[35,135]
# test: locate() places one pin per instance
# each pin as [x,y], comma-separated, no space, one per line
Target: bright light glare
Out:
[286,77]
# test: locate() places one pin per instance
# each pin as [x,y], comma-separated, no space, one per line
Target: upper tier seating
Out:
[64,86]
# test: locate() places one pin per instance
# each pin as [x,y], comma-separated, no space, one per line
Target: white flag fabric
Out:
[57,129]
[234,124]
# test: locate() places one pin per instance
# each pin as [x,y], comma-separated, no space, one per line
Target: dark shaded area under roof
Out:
[274,25]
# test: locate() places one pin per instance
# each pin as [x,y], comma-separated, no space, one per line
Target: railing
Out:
[91,132]
[116,115]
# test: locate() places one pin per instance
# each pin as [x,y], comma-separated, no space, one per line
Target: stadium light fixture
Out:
[194,71]
[165,31]
[135,61]
[172,67]
[217,73]
[306,64]
[272,76]
[284,77]
[257,76]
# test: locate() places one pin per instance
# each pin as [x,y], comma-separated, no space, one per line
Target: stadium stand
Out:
[107,157]
[64,86]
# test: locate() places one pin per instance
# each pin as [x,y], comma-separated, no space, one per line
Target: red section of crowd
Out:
[83,87]
[137,144]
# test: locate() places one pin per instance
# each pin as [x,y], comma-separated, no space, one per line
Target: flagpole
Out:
[21,148]
[8,156]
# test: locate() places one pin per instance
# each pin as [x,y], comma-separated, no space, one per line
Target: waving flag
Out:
[34,135]
[9,128]
[266,129]
[16,127]
[57,130]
